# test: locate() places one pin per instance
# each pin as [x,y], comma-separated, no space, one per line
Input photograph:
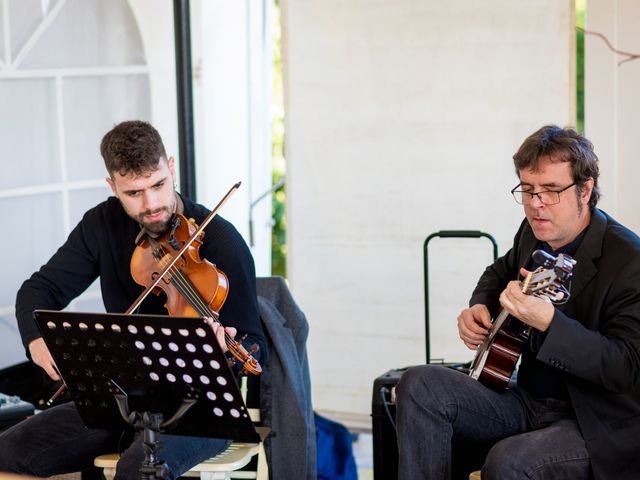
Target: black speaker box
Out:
[383,413]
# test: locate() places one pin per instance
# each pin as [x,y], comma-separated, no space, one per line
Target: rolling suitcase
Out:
[383,405]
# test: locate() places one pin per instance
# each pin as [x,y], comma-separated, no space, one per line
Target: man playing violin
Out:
[575,410]
[142,179]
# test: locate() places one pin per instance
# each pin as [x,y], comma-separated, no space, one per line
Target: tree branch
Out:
[630,56]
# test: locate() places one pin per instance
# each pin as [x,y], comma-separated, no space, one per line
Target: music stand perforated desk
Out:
[157,361]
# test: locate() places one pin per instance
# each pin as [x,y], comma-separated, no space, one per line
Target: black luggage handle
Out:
[445,234]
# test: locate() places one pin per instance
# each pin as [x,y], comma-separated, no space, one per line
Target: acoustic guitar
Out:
[497,357]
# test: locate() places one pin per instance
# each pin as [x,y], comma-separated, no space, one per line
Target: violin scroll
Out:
[249,364]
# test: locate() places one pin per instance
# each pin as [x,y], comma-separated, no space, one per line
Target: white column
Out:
[612,103]
[232,56]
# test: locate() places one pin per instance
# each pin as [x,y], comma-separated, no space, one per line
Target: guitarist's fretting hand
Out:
[473,325]
[535,312]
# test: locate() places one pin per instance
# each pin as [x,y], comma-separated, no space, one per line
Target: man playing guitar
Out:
[575,411]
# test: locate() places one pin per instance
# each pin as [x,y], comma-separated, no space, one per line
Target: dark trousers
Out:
[56,441]
[444,418]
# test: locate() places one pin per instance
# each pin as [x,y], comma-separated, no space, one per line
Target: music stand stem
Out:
[149,424]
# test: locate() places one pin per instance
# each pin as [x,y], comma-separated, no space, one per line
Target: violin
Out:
[194,287]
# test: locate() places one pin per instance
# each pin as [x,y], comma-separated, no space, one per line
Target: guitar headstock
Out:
[552,280]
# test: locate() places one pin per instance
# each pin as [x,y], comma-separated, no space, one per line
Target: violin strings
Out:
[188,290]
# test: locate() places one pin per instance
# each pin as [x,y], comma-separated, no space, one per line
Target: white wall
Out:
[612,103]
[401,120]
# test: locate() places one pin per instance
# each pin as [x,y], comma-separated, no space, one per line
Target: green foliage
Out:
[278,232]
[580,22]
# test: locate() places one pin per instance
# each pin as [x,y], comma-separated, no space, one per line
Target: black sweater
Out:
[101,245]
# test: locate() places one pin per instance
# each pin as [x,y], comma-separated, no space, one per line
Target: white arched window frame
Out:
[69,70]
[58,110]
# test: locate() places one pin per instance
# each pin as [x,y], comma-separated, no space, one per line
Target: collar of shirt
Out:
[569,249]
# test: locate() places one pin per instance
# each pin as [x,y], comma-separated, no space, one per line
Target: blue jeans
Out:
[444,416]
[56,441]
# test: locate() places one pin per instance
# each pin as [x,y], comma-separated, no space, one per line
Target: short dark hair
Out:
[132,147]
[563,145]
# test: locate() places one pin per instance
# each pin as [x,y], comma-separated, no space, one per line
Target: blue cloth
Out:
[335,451]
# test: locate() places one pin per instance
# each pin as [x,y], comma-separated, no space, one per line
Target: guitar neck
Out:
[497,323]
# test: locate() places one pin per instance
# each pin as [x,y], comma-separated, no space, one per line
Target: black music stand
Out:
[154,372]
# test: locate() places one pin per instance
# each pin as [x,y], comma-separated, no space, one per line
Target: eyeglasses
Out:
[546,197]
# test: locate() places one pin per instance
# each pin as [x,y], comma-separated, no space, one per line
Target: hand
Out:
[473,325]
[534,311]
[219,332]
[42,357]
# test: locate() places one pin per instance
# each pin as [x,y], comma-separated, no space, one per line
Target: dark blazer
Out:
[285,384]
[594,339]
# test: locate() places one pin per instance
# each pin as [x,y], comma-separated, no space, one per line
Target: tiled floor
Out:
[363,453]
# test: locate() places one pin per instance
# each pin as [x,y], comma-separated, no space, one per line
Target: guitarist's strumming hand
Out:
[535,312]
[473,325]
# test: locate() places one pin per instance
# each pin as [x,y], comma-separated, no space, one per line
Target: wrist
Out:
[546,318]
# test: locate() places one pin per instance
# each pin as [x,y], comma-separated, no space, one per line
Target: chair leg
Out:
[109,473]
[262,469]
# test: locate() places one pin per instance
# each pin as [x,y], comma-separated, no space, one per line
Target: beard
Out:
[158,227]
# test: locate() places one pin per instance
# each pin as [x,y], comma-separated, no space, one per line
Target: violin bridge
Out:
[163,262]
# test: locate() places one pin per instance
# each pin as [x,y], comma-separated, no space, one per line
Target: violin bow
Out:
[184,248]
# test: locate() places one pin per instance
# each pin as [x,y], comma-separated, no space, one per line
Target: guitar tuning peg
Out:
[254,348]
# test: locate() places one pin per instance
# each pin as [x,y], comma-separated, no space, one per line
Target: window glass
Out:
[25,17]
[89,113]
[88,33]
[29,138]
[38,229]
[11,349]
